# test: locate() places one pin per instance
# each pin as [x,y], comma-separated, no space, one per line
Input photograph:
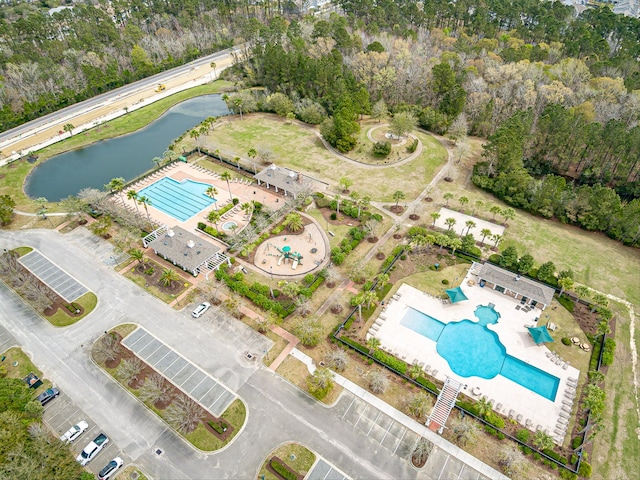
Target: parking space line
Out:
[187,379]
[348,408]
[387,431]
[404,433]
[374,422]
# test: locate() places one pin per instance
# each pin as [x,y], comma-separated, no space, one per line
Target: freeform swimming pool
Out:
[181,200]
[471,349]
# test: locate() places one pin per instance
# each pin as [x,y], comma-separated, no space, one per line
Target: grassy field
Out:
[19,365]
[13,175]
[297,147]
[294,455]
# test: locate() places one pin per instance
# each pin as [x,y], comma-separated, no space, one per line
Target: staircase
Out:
[444,405]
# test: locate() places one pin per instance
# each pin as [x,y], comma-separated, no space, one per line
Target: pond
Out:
[127,156]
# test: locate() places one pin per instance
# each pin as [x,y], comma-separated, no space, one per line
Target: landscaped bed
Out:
[155,279]
[198,426]
[291,461]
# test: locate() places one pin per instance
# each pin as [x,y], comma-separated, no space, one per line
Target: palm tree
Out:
[227,176]
[448,196]
[543,441]
[138,255]
[239,102]
[599,300]
[252,154]
[195,134]
[483,406]
[581,292]
[214,217]
[463,201]
[470,224]
[442,240]
[247,207]
[115,185]
[157,161]
[169,276]
[211,191]
[565,284]
[508,214]
[213,67]
[495,210]
[497,239]
[485,232]
[398,195]
[133,195]
[168,155]
[478,205]
[293,222]
[455,244]
[145,201]
[68,127]
[373,343]
[383,278]
[603,328]
[435,216]
[450,222]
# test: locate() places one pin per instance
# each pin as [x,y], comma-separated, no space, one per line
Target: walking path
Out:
[404,420]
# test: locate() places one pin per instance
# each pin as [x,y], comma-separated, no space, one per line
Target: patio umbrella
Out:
[540,334]
[456,295]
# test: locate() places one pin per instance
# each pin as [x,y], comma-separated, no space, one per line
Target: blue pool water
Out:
[471,349]
[181,200]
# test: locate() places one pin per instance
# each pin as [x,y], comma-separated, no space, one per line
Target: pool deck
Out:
[511,399]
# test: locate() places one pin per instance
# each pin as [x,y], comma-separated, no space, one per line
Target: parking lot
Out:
[205,390]
[60,281]
[61,414]
[322,470]
[6,340]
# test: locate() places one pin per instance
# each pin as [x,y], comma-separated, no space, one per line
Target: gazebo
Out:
[456,295]
[540,334]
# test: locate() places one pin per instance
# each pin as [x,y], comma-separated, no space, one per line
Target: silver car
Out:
[200,309]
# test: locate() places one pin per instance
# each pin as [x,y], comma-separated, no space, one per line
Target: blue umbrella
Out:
[540,334]
[456,295]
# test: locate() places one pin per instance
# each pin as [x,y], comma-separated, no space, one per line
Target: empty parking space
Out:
[322,470]
[49,273]
[196,383]
[61,414]
[6,340]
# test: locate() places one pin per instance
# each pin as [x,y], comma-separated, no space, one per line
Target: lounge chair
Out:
[565,365]
[564,415]
[498,407]
[528,423]
[567,403]
[563,420]
[538,428]
[560,432]
[519,418]
[573,380]
[434,373]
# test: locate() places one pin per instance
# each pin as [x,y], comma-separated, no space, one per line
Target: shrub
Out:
[354,344]
[494,432]
[495,259]
[566,341]
[427,384]
[334,215]
[494,419]
[381,149]
[585,470]
[609,350]
[445,281]
[235,201]
[555,456]
[390,361]
[283,471]
[566,302]
[568,475]
[576,442]
[218,427]
[412,146]
[523,435]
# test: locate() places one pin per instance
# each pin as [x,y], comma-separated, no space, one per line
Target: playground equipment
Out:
[287,254]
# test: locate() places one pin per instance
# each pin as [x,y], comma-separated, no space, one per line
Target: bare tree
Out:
[40,296]
[337,359]
[422,450]
[184,414]
[378,381]
[129,369]
[106,348]
[465,431]
[511,461]
[309,331]
[155,389]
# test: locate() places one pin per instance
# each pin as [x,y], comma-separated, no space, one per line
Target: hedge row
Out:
[218,427]
[283,470]
[566,302]
[390,361]
[609,351]
[210,230]
[358,346]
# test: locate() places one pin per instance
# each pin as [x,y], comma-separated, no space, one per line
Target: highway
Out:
[45,130]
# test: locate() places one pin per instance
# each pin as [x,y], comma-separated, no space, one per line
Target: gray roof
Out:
[283,178]
[184,248]
[517,283]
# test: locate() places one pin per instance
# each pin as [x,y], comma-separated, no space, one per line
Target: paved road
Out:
[277,411]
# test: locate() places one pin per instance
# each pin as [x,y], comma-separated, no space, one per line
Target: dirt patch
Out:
[397,209]
[372,239]
[414,217]
[380,255]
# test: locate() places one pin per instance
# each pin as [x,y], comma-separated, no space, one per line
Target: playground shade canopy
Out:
[540,334]
[456,295]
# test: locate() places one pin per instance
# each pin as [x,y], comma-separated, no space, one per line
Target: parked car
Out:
[91,450]
[110,469]
[200,309]
[48,395]
[74,432]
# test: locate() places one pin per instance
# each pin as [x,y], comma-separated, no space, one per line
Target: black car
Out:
[48,395]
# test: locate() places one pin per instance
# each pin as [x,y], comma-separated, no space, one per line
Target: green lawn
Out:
[19,365]
[15,174]
[297,147]
[88,301]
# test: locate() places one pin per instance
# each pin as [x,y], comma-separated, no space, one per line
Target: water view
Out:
[127,156]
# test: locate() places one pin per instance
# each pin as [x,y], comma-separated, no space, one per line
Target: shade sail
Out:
[540,334]
[456,295]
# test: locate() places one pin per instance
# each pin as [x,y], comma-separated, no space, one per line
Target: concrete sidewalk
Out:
[406,421]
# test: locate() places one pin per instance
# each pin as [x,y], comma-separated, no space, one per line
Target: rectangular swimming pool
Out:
[422,323]
[536,380]
[181,200]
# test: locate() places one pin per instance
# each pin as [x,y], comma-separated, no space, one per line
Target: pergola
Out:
[280,178]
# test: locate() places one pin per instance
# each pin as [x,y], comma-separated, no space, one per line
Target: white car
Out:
[110,469]
[91,450]
[74,432]
[200,309]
